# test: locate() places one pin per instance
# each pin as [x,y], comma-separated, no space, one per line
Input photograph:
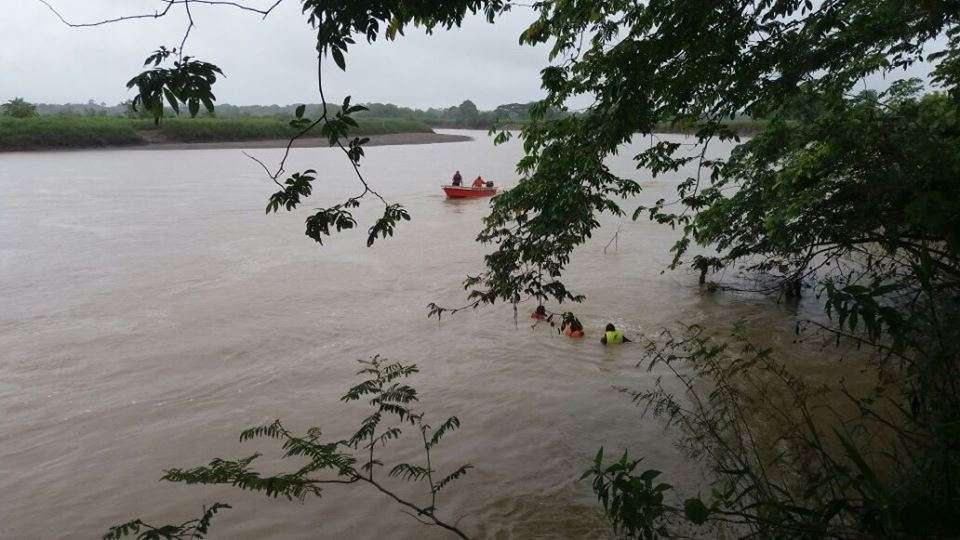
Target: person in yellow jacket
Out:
[612,336]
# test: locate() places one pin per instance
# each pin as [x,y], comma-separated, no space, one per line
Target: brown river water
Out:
[149,311]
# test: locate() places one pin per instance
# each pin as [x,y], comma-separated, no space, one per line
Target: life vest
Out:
[614,336]
[572,333]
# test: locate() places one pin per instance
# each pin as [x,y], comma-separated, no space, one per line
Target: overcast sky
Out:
[265,61]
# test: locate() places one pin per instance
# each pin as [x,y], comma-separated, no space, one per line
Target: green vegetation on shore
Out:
[72,124]
[249,129]
[58,132]
[66,132]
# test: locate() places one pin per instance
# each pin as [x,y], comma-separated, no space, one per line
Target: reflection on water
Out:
[151,311]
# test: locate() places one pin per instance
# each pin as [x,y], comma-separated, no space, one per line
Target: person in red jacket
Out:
[478,183]
[572,328]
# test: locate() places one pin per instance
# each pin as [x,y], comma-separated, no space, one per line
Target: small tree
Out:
[327,463]
[19,108]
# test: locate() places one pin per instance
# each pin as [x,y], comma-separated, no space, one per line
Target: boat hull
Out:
[462,192]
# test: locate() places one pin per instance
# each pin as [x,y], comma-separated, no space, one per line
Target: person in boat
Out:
[572,328]
[539,314]
[457,179]
[479,183]
[612,336]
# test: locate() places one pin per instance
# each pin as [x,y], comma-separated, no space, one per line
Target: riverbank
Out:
[389,139]
[69,133]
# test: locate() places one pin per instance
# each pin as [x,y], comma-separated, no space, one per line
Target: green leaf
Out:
[172,100]
[207,103]
[451,424]
[870,478]
[338,58]
[459,472]
[649,475]
[696,511]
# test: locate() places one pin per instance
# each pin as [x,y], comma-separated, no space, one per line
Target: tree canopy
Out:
[667,61]
[19,108]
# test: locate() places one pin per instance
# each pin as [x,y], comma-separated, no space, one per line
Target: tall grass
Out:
[67,132]
[247,129]
[224,129]
[84,132]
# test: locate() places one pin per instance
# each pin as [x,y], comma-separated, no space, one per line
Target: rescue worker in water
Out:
[572,328]
[612,336]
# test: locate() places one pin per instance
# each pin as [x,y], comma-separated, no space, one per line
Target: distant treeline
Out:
[465,115]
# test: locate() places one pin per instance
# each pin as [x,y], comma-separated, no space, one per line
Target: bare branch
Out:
[154,15]
[158,14]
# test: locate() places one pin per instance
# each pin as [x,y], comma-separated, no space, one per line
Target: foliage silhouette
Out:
[19,108]
[332,462]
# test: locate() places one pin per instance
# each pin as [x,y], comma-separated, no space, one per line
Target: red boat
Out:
[465,192]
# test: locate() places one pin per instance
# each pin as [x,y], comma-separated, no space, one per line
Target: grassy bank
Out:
[249,129]
[66,132]
[60,132]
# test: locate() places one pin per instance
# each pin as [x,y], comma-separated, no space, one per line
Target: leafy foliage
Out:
[701,65]
[330,462]
[189,82]
[384,226]
[19,108]
[634,504]
[519,267]
[336,128]
[856,193]
[320,223]
[785,458]
[299,184]
[193,529]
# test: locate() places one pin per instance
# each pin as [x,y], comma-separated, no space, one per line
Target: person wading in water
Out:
[612,336]
[572,328]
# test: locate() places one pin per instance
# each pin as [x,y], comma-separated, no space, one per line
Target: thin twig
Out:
[158,14]
[154,15]
[183,42]
[419,510]
[616,238]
